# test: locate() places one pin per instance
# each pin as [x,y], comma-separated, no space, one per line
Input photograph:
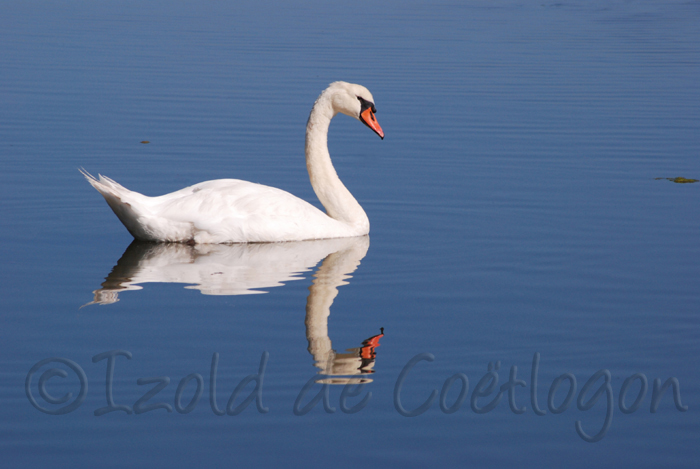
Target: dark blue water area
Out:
[521,218]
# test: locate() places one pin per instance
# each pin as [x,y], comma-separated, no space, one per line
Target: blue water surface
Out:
[523,227]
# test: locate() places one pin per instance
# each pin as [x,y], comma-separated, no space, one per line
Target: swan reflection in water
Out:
[243,269]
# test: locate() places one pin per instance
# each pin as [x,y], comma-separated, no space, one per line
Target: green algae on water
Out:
[679,180]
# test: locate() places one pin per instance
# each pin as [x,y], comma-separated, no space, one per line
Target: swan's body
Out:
[235,211]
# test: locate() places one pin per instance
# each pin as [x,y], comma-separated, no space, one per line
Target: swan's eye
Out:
[366,104]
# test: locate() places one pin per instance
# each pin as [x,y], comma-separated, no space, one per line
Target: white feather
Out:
[235,211]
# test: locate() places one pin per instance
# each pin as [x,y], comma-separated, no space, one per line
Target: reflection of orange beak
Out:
[367,352]
[368,118]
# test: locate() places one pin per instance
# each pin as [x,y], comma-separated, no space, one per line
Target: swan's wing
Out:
[220,211]
[231,210]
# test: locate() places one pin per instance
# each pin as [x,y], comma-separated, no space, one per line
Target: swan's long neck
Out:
[335,197]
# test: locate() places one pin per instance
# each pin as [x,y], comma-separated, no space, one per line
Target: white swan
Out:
[234,211]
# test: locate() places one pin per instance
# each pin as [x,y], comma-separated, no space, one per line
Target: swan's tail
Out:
[129,206]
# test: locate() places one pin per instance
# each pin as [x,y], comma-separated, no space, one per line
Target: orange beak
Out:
[367,116]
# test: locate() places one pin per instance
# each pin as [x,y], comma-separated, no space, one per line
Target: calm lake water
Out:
[522,228]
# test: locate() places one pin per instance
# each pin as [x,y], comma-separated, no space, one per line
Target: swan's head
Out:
[355,101]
